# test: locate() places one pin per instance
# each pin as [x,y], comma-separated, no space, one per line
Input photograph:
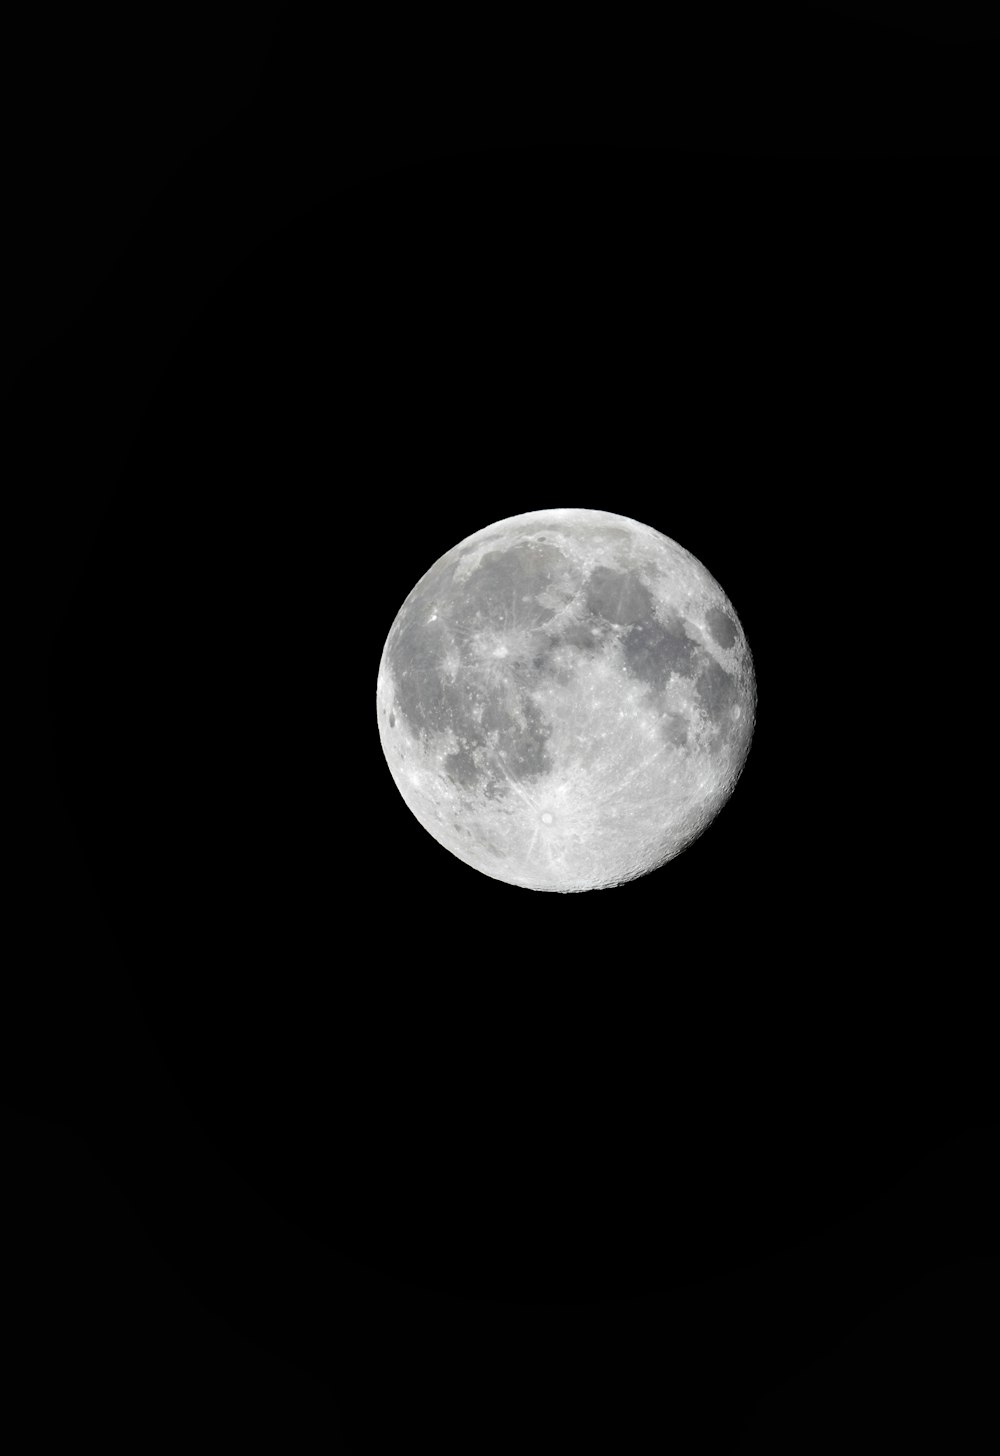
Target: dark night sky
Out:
[312,1127]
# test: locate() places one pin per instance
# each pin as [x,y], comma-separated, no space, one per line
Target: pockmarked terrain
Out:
[566,699]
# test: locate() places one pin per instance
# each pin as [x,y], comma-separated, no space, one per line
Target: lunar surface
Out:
[566,699]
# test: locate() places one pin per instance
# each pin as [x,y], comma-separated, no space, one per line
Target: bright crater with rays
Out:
[566,699]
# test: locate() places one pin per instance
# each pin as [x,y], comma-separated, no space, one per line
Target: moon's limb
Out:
[566,699]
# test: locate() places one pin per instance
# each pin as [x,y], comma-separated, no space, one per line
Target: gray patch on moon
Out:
[423,695]
[484,710]
[504,587]
[461,766]
[675,730]
[583,636]
[653,652]
[524,749]
[719,694]
[497,741]
[619,597]
[720,626]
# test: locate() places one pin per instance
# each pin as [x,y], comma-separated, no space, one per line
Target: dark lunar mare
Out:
[619,596]
[675,731]
[717,690]
[499,729]
[503,589]
[585,636]
[719,694]
[654,650]
[417,647]
[721,627]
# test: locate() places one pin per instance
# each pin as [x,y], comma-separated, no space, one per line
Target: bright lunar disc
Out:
[566,699]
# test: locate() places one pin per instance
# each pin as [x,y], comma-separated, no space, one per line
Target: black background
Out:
[314,1128]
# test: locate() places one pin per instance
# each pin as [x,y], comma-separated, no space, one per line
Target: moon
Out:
[566,700]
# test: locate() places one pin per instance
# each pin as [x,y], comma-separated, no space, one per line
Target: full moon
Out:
[566,700]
